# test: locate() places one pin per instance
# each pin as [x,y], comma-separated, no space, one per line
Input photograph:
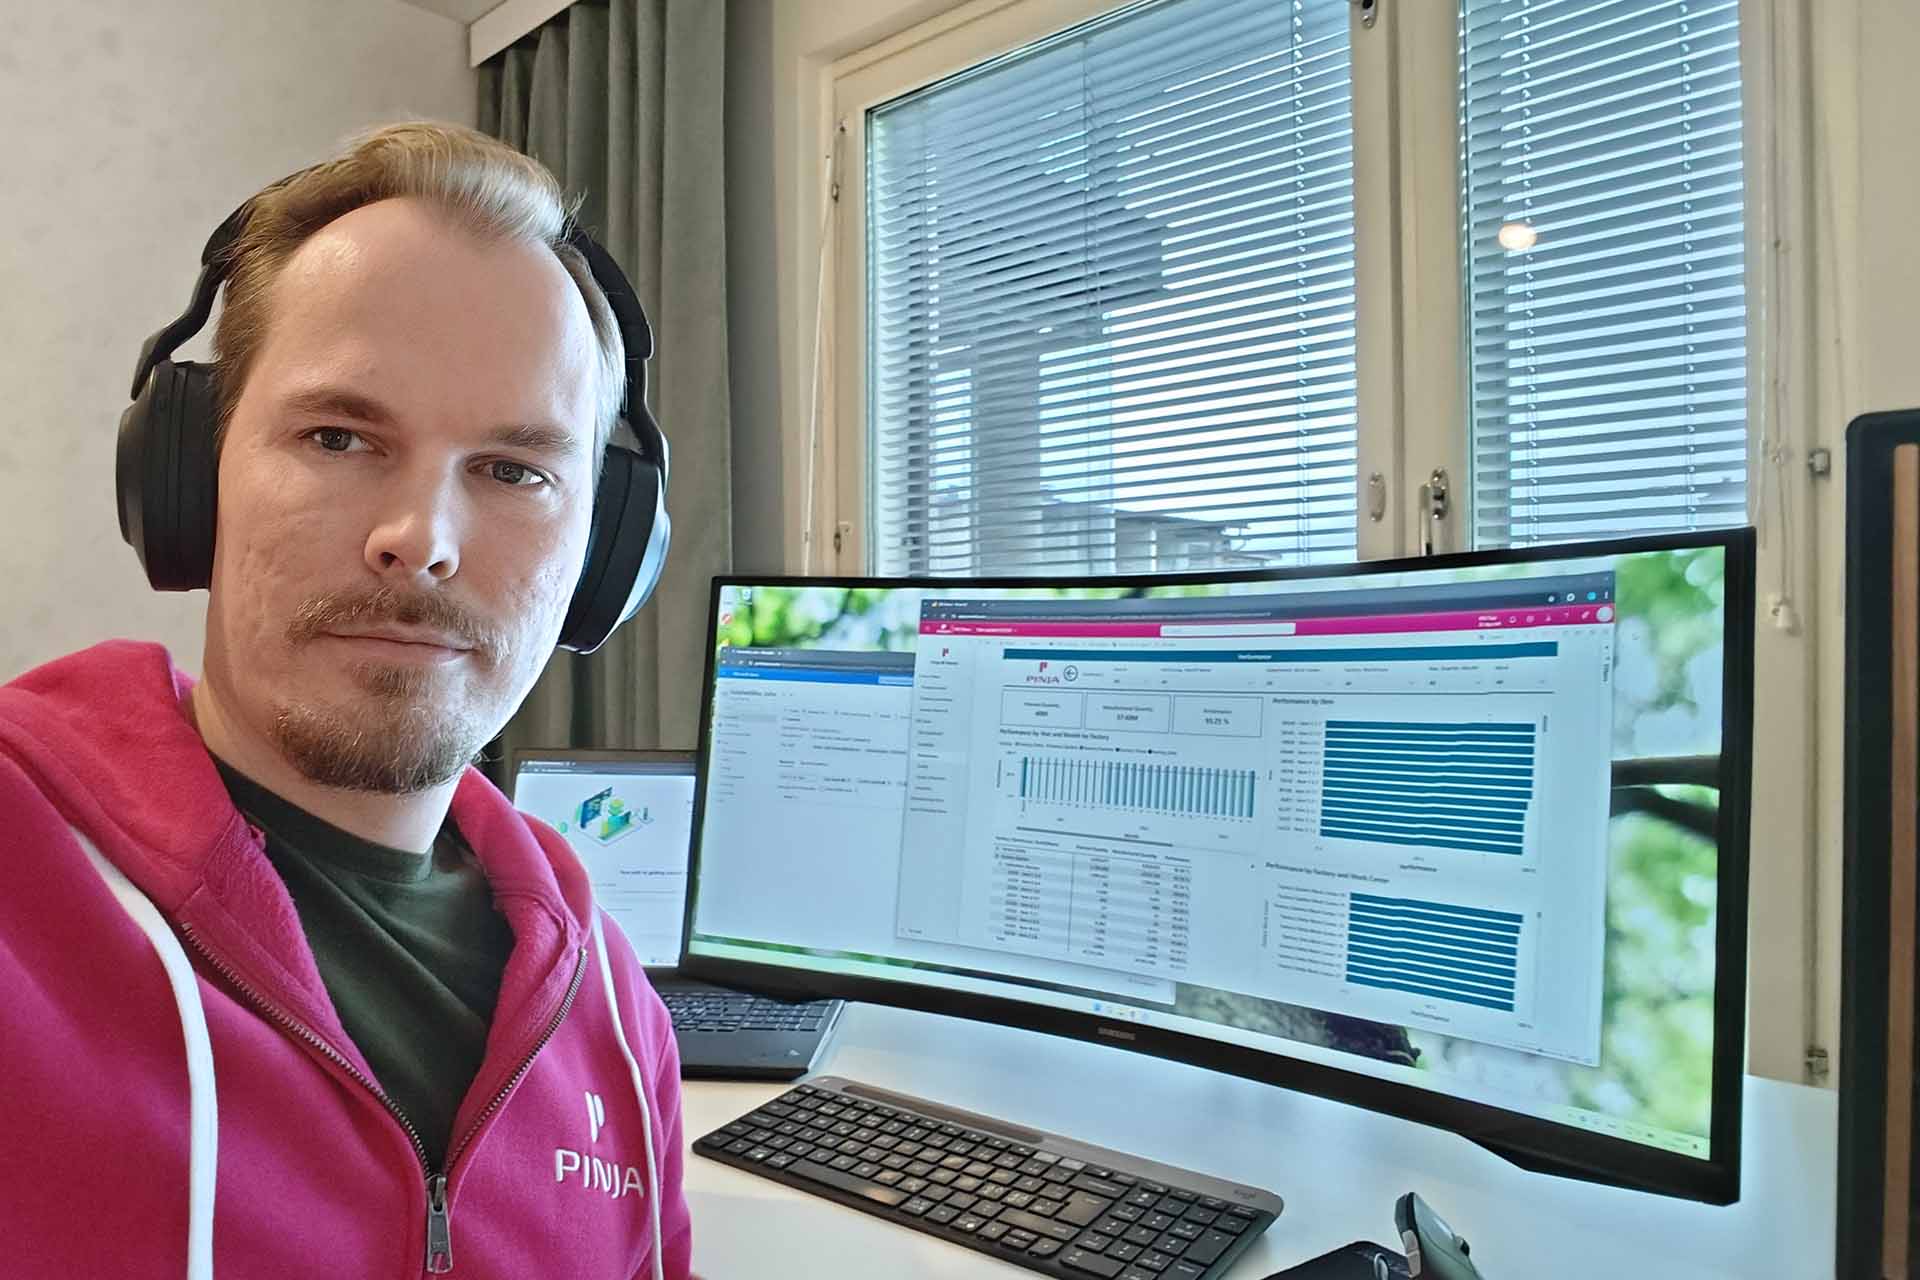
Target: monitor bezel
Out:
[1532,1142]
[596,755]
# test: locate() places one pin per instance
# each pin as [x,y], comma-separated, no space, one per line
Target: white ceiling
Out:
[458,10]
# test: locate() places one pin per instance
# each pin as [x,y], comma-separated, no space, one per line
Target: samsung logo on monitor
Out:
[1117,1033]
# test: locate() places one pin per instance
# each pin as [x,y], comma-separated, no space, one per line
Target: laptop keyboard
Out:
[1022,1201]
[738,1011]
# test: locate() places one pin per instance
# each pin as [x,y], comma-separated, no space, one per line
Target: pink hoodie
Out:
[130,1150]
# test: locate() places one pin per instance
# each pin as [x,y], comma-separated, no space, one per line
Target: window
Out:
[1605,252]
[1122,297]
[1111,300]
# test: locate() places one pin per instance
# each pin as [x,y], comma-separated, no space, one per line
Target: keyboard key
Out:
[1098,1186]
[1205,1217]
[1184,1270]
[1030,1183]
[1123,1251]
[1156,1221]
[1043,1248]
[1208,1248]
[1142,1198]
[969,1223]
[1095,1241]
[1047,1208]
[992,1231]
[1154,1260]
[962,1201]
[1091,1263]
[1135,1273]
[916,1206]
[942,1213]
[1233,1223]
[1018,1239]
[1083,1209]
[1186,1230]
[1112,1226]
[889,1196]
[1049,1227]
[1142,1236]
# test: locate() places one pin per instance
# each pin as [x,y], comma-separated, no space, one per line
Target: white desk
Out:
[1338,1168]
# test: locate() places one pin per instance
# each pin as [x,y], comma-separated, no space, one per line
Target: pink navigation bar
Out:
[1570,615]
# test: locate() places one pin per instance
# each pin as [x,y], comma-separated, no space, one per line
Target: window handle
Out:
[1435,505]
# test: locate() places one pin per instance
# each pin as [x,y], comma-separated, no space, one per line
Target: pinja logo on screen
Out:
[1044,673]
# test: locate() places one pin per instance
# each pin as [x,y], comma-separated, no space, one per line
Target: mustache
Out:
[320,614]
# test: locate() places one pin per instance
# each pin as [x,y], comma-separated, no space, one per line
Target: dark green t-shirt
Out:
[410,946]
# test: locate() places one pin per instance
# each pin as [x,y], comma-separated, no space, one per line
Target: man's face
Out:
[405,493]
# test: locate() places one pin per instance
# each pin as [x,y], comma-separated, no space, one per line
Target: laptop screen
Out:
[629,816]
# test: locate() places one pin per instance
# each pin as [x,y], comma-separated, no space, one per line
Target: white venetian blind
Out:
[1111,299]
[1608,360]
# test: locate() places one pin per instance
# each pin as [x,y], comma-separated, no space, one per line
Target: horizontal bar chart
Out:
[1189,790]
[1440,784]
[1467,955]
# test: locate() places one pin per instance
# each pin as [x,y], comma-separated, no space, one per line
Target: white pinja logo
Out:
[608,1177]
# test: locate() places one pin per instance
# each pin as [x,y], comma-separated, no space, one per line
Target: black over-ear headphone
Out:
[167,470]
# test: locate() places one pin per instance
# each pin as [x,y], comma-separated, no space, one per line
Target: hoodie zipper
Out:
[439,1259]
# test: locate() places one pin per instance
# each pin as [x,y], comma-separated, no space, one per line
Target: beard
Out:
[398,743]
[416,728]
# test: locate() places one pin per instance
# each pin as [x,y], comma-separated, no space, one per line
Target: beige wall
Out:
[132,129]
[1865,198]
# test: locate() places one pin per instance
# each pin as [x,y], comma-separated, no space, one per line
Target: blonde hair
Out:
[483,185]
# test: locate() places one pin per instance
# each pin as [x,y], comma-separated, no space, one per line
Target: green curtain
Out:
[623,101]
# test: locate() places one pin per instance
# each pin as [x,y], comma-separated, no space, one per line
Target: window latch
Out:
[1435,505]
[1369,11]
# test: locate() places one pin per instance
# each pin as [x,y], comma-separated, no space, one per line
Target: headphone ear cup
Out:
[166,475]
[626,549]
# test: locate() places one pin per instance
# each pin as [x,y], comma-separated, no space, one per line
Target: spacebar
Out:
[807,1169]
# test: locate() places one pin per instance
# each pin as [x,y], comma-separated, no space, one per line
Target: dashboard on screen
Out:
[1456,829]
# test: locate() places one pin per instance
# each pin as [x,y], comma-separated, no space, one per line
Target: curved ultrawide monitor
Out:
[1461,839]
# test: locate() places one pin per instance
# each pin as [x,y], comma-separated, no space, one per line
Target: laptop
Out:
[629,816]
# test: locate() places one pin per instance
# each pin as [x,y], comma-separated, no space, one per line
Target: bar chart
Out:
[1445,784]
[1190,790]
[1468,955]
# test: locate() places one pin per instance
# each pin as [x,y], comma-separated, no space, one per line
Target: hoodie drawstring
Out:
[639,1089]
[203,1125]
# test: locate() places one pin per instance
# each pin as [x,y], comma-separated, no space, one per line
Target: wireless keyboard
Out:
[1047,1203]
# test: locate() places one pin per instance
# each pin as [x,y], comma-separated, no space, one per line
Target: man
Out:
[288,988]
